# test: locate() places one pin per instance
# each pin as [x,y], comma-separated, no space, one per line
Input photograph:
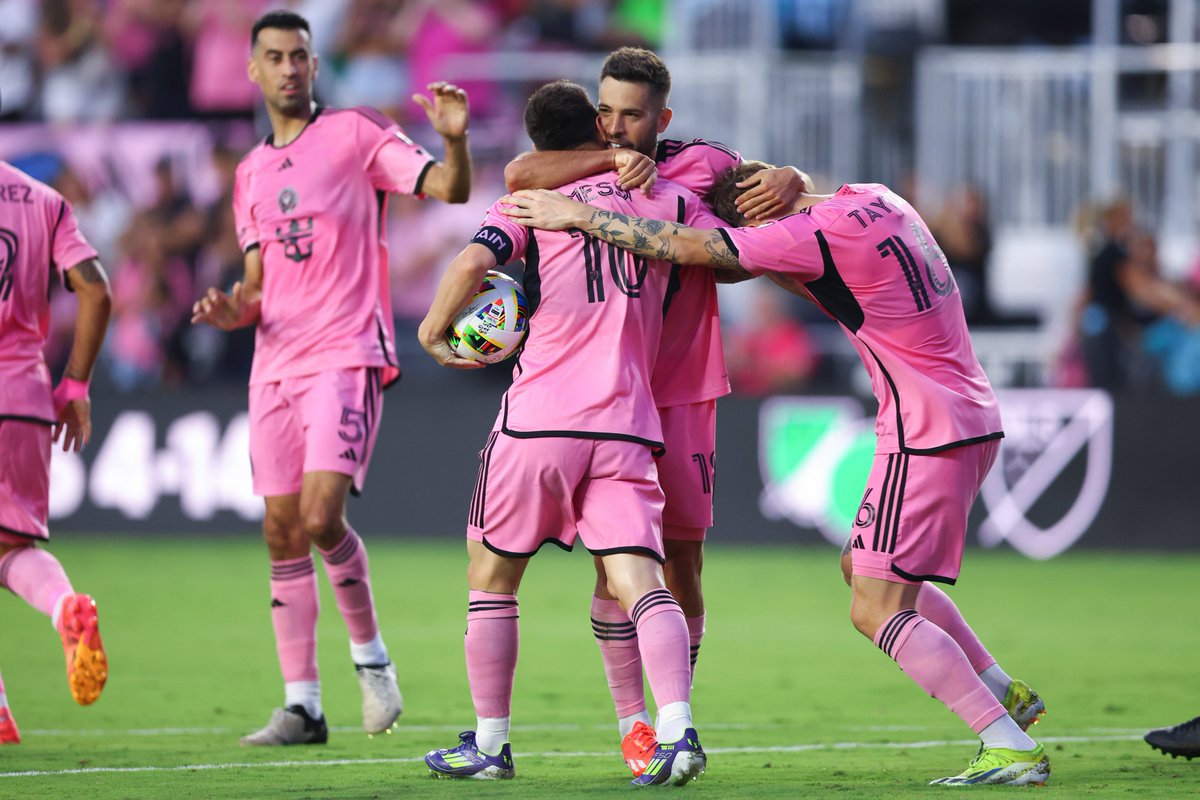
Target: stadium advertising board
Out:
[1076,469]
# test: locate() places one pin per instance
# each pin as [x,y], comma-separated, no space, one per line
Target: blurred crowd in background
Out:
[153,193]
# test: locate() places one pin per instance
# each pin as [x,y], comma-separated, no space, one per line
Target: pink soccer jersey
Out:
[867,258]
[691,358]
[316,208]
[39,242]
[595,320]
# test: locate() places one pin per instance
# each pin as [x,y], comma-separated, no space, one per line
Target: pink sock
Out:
[663,641]
[938,665]
[35,576]
[491,646]
[695,626]
[936,606]
[618,642]
[294,607]
[346,566]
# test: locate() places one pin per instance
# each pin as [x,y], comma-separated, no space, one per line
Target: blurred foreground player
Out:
[1178,740]
[572,450]
[309,203]
[867,259]
[40,243]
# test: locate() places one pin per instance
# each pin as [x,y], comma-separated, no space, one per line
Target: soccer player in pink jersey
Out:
[309,203]
[39,243]
[690,375]
[572,450]
[867,259]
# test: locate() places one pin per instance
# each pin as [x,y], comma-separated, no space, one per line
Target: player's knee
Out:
[865,618]
[323,526]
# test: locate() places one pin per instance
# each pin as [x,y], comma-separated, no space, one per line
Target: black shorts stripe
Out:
[894,533]
[476,516]
[883,505]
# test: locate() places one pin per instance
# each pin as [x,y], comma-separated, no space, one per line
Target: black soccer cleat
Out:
[1181,740]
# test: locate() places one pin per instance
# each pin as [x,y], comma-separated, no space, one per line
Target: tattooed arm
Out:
[90,284]
[652,238]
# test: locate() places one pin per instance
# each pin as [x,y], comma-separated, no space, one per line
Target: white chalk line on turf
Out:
[343,762]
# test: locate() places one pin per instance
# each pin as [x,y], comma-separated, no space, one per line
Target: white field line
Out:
[342,762]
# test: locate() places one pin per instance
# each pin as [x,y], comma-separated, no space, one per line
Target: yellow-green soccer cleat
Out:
[1001,765]
[1023,704]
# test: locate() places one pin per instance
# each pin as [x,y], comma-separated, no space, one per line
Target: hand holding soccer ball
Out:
[493,325]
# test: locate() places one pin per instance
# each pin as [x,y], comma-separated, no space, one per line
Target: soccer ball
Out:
[493,324]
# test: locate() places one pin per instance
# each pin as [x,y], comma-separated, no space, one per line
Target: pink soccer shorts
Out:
[324,422]
[687,469]
[550,489]
[24,481]
[912,523]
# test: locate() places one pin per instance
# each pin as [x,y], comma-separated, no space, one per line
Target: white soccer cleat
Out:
[291,725]
[382,703]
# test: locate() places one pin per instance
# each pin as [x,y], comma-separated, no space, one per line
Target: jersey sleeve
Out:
[395,163]
[788,246]
[698,215]
[243,215]
[69,248]
[696,164]
[506,239]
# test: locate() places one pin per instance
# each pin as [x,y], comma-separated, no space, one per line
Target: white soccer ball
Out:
[492,326]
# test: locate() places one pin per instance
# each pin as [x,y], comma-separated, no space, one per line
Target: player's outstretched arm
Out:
[458,285]
[653,238]
[449,113]
[547,169]
[769,192]
[242,306]
[72,406]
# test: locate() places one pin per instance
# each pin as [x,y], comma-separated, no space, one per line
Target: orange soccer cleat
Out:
[638,747]
[87,665]
[8,727]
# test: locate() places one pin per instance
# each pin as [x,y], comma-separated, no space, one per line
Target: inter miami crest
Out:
[288,199]
[296,235]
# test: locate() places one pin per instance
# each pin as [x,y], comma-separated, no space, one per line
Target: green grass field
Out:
[789,700]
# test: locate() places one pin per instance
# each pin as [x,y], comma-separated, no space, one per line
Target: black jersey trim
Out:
[895,396]
[673,282]
[941,448]
[23,418]
[511,554]
[35,537]
[638,551]
[831,291]
[421,178]
[729,242]
[669,148]
[657,449]
[922,578]
[270,140]
[252,246]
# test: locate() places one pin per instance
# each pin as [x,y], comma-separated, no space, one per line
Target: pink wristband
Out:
[67,390]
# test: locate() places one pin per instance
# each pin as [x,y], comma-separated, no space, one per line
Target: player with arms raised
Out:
[866,258]
[39,243]
[572,450]
[309,203]
[689,376]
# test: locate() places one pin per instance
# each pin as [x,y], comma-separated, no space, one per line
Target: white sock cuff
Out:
[56,614]
[673,720]
[491,734]
[625,724]
[372,653]
[306,694]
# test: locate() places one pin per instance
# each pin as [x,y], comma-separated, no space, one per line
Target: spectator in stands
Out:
[964,233]
[432,32]
[216,30]
[78,79]
[1125,292]
[371,73]
[17,37]
[770,352]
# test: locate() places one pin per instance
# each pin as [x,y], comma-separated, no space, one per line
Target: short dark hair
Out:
[283,20]
[722,197]
[559,116]
[638,65]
